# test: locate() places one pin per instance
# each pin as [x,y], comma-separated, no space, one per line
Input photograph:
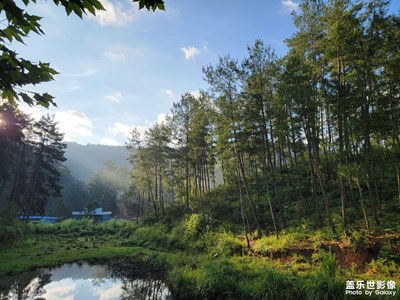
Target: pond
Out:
[114,280]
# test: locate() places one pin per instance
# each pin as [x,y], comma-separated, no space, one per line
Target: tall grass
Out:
[85,227]
[326,283]
[232,278]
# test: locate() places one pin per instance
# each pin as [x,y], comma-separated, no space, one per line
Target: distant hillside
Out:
[85,160]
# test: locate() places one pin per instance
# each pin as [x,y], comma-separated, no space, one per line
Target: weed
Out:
[384,267]
[357,238]
[328,264]
[224,243]
[323,287]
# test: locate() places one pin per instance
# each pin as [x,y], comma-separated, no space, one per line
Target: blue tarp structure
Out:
[41,219]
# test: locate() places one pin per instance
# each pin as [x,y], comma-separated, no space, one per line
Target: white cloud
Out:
[125,130]
[85,73]
[121,129]
[162,118]
[73,124]
[105,292]
[288,6]
[63,289]
[195,94]
[114,292]
[114,15]
[141,130]
[109,142]
[114,56]
[170,93]
[116,97]
[34,111]
[190,52]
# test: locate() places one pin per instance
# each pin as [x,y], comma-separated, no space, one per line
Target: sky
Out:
[125,68]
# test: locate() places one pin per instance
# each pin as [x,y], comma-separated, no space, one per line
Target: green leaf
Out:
[151,4]
[9,95]
[28,100]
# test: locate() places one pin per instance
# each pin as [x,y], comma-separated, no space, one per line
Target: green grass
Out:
[48,251]
[201,264]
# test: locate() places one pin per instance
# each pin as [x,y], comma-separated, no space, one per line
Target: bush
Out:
[11,229]
[383,266]
[192,227]
[357,239]
[224,243]
[329,265]
[326,283]
[151,236]
[72,225]
[9,234]
[187,234]
[269,244]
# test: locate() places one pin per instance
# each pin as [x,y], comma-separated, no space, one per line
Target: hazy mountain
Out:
[85,161]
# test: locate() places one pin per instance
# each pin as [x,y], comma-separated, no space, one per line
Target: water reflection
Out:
[119,280]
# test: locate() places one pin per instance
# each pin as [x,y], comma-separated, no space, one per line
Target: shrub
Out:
[328,264]
[151,236]
[389,252]
[383,266]
[269,244]
[357,239]
[192,226]
[11,229]
[187,233]
[72,225]
[325,284]
[224,243]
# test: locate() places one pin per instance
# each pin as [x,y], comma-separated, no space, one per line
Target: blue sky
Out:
[125,67]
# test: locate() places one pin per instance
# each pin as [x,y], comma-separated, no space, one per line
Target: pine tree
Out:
[47,152]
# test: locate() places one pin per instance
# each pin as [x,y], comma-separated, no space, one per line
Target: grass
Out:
[201,264]
[48,251]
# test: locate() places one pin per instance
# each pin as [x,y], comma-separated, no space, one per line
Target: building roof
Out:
[97,212]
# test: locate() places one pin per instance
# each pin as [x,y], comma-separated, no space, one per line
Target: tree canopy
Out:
[16,72]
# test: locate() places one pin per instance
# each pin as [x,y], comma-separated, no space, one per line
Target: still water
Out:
[86,282]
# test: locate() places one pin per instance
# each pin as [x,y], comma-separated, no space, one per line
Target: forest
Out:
[283,176]
[35,179]
[310,138]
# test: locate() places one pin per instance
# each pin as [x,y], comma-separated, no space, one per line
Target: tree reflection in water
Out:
[28,285]
[152,289]
[115,280]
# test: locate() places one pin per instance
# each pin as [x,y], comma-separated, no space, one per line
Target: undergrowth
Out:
[203,262]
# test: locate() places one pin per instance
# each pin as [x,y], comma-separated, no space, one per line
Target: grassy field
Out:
[215,263]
